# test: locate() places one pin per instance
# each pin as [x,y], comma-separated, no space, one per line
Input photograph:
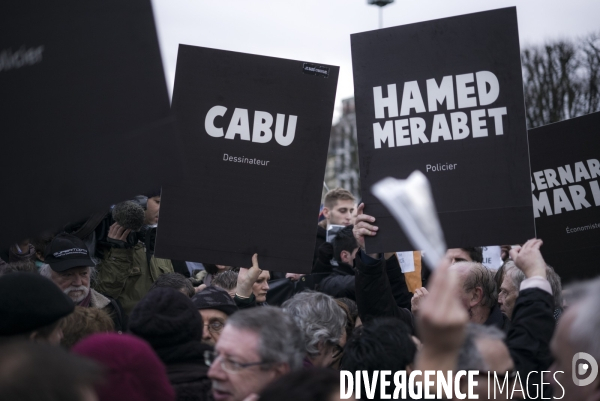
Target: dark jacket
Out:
[170,322]
[532,328]
[381,290]
[111,307]
[341,283]
[498,319]
[187,371]
[321,236]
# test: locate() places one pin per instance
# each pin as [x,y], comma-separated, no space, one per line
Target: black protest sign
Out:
[256,132]
[85,111]
[565,176]
[446,97]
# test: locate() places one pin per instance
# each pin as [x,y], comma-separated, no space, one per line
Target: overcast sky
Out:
[319,30]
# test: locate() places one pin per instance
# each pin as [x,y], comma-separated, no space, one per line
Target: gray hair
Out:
[556,285]
[320,319]
[515,274]
[226,280]
[585,328]
[517,277]
[46,271]
[481,276]
[280,340]
[469,357]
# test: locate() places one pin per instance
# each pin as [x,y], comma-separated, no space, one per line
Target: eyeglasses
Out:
[216,326]
[227,364]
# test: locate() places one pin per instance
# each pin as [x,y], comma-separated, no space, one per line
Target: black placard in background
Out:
[480,183]
[85,115]
[248,187]
[565,180]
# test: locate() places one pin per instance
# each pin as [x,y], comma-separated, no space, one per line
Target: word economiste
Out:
[413,130]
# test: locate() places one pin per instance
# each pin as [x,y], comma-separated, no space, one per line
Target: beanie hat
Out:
[134,372]
[215,298]
[29,301]
[67,251]
[166,318]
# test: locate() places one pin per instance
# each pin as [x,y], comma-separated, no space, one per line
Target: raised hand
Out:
[529,258]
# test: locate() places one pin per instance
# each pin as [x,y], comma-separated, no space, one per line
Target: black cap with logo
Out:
[65,252]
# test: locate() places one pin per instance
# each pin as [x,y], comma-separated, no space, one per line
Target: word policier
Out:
[412,131]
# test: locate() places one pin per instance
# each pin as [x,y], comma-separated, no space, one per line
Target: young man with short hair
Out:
[338,209]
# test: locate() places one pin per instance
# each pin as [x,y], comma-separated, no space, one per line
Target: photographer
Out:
[128,267]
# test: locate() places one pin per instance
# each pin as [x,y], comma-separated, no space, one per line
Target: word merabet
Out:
[261,129]
[413,130]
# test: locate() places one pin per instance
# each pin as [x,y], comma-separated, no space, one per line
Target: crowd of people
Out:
[89,313]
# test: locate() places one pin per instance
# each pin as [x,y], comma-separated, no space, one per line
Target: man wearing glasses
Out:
[215,305]
[257,346]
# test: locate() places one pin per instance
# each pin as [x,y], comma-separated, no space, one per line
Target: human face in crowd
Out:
[348,257]
[261,286]
[563,350]
[330,355]
[74,282]
[214,322]
[152,208]
[341,213]
[467,298]
[456,255]
[507,296]
[234,383]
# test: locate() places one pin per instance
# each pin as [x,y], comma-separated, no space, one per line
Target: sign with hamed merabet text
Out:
[256,132]
[565,181]
[446,97]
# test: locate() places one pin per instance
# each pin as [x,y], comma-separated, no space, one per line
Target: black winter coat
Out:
[187,371]
[532,328]
[341,283]
[381,290]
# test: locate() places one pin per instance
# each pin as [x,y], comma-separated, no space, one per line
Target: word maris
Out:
[566,177]
[414,130]
[261,128]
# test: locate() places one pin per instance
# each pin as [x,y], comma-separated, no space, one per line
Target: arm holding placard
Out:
[374,295]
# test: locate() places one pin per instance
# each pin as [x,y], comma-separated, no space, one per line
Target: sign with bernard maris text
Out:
[565,177]
[446,97]
[256,133]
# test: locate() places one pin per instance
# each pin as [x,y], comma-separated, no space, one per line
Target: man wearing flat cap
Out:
[215,305]
[32,308]
[69,266]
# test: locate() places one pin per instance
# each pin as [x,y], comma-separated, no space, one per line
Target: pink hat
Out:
[134,372]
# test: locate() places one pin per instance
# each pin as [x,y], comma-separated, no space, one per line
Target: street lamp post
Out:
[380,4]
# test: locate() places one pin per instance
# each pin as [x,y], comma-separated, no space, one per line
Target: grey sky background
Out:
[319,31]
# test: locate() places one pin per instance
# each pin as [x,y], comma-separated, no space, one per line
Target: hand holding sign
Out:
[247,278]
[363,226]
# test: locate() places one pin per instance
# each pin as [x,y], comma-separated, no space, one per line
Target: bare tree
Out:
[561,80]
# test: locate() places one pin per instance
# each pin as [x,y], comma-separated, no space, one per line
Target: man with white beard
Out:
[70,267]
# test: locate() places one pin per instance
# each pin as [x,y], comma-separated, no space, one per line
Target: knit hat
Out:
[29,301]
[67,251]
[165,318]
[134,372]
[215,298]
